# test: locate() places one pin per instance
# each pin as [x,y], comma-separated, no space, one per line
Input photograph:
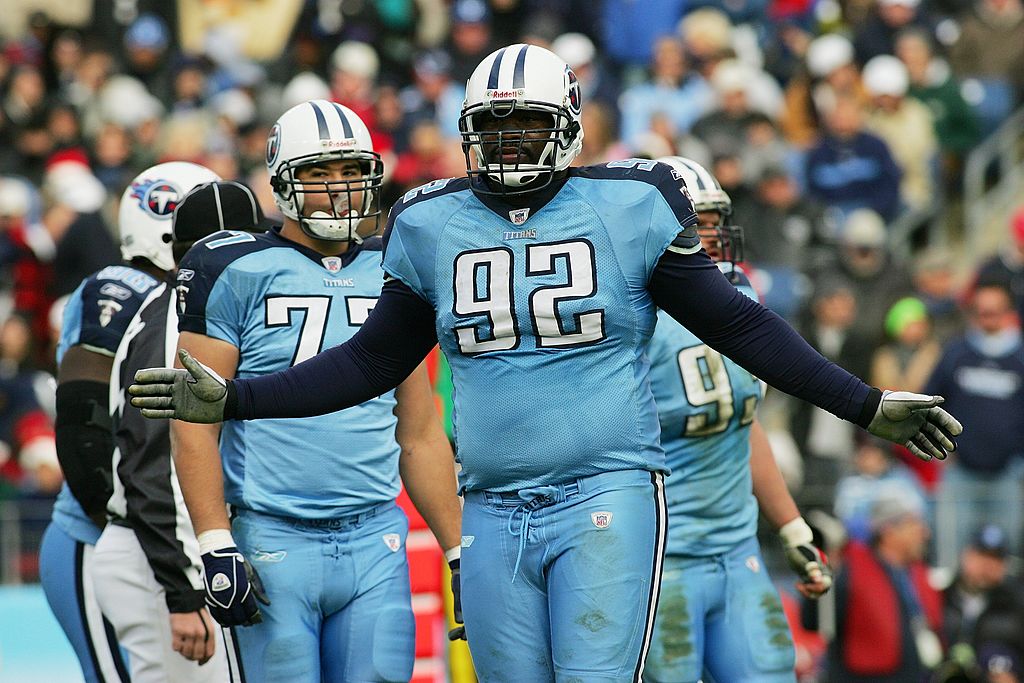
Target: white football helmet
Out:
[517,78]
[147,208]
[320,131]
[707,195]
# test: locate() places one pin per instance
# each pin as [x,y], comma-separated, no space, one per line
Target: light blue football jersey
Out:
[280,303]
[96,315]
[544,316]
[706,404]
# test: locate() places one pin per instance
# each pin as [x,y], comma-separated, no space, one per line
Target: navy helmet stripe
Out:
[492,80]
[321,122]
[345,126]
[519,77]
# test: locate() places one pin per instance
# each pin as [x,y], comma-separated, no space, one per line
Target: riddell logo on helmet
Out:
[335,144]
[516,94]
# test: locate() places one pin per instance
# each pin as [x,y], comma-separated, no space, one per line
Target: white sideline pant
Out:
[133,601]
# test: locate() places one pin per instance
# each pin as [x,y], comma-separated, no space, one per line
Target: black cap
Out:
[991,539]
[223,205]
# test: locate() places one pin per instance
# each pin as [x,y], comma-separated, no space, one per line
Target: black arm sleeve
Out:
[396,337]
[154,508]
[693,291]
[85,443]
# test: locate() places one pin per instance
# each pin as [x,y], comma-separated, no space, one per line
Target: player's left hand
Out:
[233,588]
[806,559]
[917,422]
[192,635]
[459,632]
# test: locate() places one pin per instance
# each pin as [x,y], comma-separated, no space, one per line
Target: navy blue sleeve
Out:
[396,337]
[692,290]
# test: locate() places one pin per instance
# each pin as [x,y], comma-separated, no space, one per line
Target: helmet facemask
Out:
[516,160]
[338,221]
[722,242]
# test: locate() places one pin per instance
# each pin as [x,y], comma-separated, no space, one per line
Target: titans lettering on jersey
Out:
[512,293]
[706,404]
[281,303]
[96,316]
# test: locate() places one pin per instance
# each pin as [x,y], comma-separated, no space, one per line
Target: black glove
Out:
[459,632]
[232,588]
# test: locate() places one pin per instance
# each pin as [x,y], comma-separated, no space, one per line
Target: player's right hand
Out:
[195,394]
[459,632]
[806,559]
[233,588]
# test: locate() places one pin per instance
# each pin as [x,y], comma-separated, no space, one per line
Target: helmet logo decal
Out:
[273,144]
[157,197]
[575,99]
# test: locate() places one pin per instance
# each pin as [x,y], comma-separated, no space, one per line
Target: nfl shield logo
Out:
[332,263]
[519,216]
[602,520]
[752,564]
[392,541]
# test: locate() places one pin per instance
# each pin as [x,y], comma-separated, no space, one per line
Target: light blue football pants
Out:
[65,571]
[720,614]
[559,582]
[340,600]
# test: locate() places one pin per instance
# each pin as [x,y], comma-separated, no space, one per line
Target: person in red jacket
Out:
[887,614]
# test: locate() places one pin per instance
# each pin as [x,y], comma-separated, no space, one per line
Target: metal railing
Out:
[993,176]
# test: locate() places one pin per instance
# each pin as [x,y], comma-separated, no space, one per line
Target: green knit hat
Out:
[905,311]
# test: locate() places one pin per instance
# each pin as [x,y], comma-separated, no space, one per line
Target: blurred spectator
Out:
[28,451]
[830,73]
[981,375]
[887,614]
[302,87]
[851,168]
[877,35]
[597,83]
[188,90]
[424,161]
[825,441]
[25,97]
[1007,267]
[932,82]
[727,128]
[935,283]
[600,144]
[906,126]
[906,361]
[876,278]
[876,474]
[26,252]
[673,91]
[632,32]
[983,608]
[434,96]
[782,227]
[707,37]
[990,51]
[471,39]
[146,45]
[354,69]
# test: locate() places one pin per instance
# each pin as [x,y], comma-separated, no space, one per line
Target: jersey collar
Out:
[534,201]
[348,257]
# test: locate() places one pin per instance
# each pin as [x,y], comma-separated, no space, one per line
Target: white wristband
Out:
[796,532]
[453,554]
[214,539]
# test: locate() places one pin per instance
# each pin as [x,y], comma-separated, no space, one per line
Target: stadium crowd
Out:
[826,123]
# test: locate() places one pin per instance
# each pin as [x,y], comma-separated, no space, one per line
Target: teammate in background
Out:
[313,501]
[147,569]
[719,610]
[540,281]
[95,319]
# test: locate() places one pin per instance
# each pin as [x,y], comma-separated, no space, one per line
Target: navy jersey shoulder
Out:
[662,177]
[202,266]
[109,300]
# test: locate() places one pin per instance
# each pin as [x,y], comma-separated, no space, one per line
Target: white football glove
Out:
[807,560]
[917,422]
[195,394]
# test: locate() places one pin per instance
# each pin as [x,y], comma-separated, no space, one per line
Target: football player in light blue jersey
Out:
[312,501]
[95,319]
[541,281]
[719,611]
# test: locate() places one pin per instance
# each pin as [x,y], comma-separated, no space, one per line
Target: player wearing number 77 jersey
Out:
[540,281]
[313,501]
